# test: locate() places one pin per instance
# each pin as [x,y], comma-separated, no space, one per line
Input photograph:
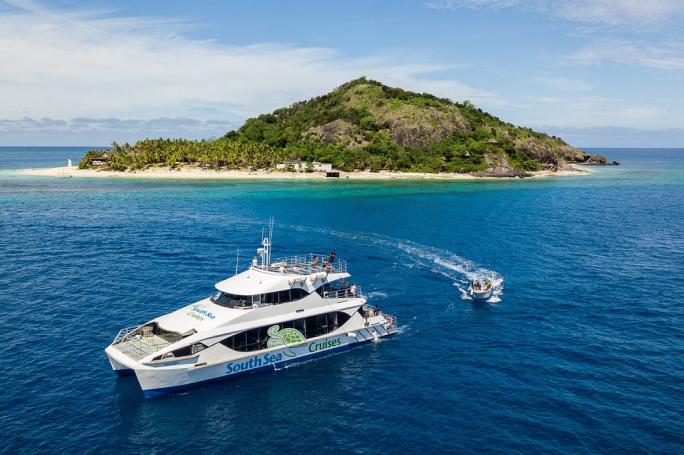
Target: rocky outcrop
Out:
[600,160]
[418,135]
[572,155]
[499,171]
[537,150]
[338,130]
[568,168]
[553,156]
[417,128]
[499,167]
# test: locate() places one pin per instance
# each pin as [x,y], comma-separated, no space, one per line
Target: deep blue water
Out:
[583,352]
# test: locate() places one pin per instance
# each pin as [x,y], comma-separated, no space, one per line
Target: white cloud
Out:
[101,131]
[587,111]
[64,65]
[612,12]
[613,136]
[628,32]
[176,126]
[493,4]
[617,12]
[667,55]
[563,84]
[640,113]
[29,124]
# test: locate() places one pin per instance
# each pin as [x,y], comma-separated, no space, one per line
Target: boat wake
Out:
[439,261]
[376,294]
[454,267]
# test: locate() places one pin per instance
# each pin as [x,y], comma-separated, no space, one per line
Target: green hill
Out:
[364,124]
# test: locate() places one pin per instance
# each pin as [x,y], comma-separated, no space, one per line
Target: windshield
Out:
[230,300]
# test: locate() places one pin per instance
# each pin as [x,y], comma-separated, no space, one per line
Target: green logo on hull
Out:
[284,337]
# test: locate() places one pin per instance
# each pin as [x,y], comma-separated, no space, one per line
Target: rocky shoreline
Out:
[599,160]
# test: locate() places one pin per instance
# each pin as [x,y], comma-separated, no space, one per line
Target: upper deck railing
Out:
[305,264]
[346,292]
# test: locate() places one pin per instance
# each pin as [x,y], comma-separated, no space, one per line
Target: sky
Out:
[597,73]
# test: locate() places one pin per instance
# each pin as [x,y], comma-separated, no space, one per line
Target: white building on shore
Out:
[301,166]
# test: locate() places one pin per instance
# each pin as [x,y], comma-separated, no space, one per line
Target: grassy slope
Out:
[364,124]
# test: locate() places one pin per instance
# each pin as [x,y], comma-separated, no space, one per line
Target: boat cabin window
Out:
[311,327]
[273,298]
[231,300]
[289,295]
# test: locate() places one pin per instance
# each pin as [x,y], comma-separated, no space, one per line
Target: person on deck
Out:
[315,261]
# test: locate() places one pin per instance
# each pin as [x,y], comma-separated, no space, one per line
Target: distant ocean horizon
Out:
[580,351]
[41,157]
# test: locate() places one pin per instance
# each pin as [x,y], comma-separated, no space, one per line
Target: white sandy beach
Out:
[197,173]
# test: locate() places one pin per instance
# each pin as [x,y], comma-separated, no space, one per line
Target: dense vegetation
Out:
[360,125]
[216,154]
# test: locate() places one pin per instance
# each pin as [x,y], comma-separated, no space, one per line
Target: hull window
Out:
[311,327]
[183,352]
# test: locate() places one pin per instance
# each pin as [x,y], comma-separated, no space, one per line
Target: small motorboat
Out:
[481,289]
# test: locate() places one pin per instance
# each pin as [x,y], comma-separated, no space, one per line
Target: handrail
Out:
[345,293]
[133,345]
[124,334]
[305,260]
[391,321]
[372,312]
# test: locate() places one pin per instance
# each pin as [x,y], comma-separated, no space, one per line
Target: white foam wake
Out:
[439,261]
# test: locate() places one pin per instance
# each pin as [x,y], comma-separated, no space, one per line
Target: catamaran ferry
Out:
[274,313]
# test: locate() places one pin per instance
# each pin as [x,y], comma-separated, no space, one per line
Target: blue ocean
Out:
[581,349]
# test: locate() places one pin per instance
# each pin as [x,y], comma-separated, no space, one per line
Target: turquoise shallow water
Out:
[581,352]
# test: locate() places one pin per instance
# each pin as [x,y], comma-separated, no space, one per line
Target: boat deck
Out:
[304,265]
[138,347]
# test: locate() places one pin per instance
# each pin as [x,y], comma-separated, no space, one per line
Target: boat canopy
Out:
[255,282]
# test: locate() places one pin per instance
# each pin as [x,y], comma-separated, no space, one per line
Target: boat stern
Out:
[121,364]
[130,346]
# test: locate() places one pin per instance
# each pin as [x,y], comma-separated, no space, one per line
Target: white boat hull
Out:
[116,361]
[172,376]
[481,295]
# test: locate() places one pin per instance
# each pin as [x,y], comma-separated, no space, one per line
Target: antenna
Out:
[266,242]
[270,236]
[237,260]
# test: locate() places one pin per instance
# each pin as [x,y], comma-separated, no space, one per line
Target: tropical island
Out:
[362,125]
